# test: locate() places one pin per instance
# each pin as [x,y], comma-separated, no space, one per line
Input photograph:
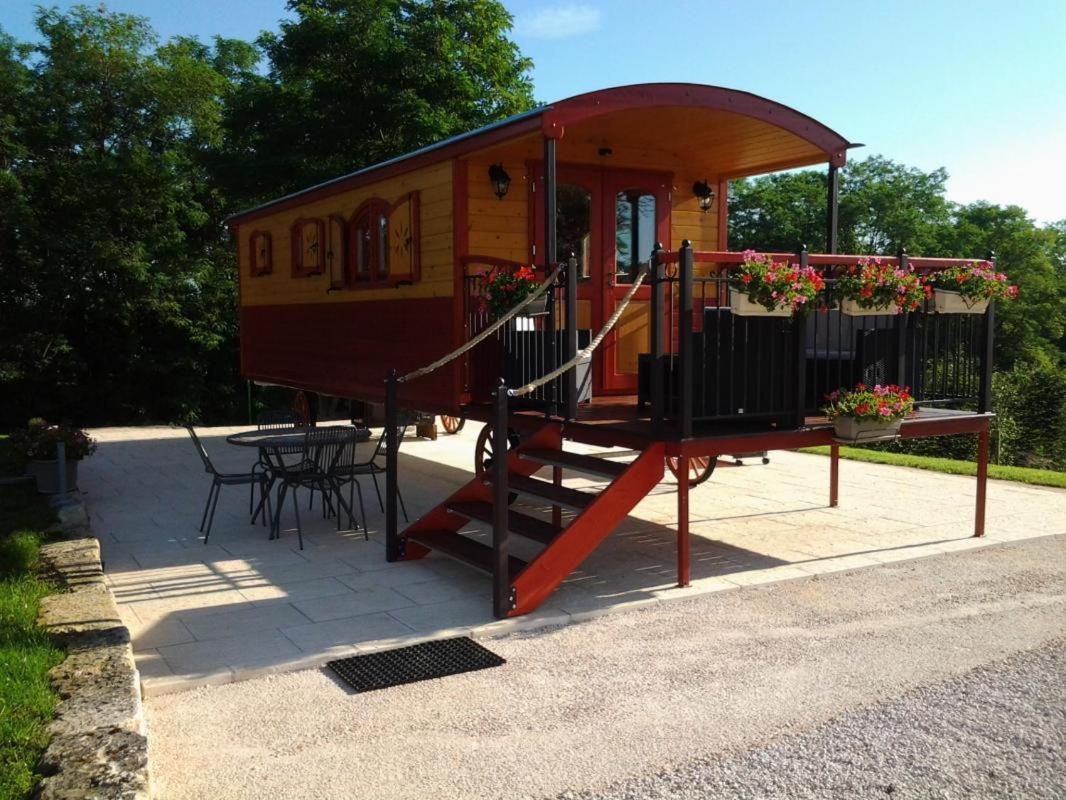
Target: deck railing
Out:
[709,365]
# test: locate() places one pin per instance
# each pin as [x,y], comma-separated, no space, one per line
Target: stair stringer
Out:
[439,518]
[586,531]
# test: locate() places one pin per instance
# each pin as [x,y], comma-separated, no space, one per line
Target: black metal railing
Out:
[708,364]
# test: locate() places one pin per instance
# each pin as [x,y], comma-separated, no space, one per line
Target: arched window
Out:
[383,243]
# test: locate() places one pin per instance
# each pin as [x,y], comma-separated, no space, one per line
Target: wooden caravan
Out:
[619,200]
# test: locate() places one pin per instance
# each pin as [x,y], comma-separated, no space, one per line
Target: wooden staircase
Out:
[564,546]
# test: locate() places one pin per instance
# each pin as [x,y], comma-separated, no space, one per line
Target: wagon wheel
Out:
[452,424]
[700,468]
[486,448]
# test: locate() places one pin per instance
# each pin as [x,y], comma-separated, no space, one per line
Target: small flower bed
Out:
[504,289]
[873,284]
[880,404]
[775,285]
[37,441]
[975,281]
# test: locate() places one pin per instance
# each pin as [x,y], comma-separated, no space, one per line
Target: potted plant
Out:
[871,287]
[863,414]
[506,288]
[37,444]
[762,287]
[968,288]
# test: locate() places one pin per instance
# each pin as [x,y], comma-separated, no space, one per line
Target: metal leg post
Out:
[982,481]
[834,475]
[682,522]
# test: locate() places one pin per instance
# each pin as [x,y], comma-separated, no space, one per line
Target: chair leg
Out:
[265,489]
[340,503]
[214,505]
[265,485]
[207,505]
[362,509]
[378,490]
[403,508]
[275,527]
[296,508]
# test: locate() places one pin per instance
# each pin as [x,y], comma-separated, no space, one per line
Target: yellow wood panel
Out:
[498,227]
[434,185]
[633,336]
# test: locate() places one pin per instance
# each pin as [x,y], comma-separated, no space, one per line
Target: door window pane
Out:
[573,220]
[634,233]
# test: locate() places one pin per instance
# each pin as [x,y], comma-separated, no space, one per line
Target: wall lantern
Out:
[501,181]
[704,193]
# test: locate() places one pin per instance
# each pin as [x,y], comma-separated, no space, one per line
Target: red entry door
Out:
[610,220]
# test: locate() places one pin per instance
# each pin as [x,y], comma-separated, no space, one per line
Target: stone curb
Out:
[98,747]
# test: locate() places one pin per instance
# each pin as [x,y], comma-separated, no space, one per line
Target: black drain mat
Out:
[419,662]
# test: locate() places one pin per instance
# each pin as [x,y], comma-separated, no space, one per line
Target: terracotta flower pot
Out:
[853,309]
[948,302]
[46,474]
[849,429]
[740,305]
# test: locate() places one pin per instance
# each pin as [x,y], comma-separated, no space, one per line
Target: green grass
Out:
[1037,477]
[26,698]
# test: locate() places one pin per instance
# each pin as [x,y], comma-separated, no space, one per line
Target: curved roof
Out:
[553,119]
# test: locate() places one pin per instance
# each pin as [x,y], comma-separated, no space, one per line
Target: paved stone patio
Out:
[243,606]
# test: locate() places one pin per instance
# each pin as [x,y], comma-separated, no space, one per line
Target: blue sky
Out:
[976,86]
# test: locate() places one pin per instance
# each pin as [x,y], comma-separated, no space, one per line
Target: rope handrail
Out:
[582,354]
[440,362]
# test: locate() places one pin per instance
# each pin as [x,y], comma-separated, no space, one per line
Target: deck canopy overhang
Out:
[723,132]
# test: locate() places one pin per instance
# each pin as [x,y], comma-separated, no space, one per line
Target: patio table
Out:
[271,441]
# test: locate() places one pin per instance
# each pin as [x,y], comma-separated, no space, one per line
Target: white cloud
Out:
[559,22]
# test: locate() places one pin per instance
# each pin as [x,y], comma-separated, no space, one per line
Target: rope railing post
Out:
[901,322]
[799,331]
[501,574]
[551,352]
[684,338]
[657,348]
[984,403]
[393,545]
[571,335]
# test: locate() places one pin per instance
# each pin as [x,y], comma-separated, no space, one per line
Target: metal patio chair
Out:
[372,468]
[260,478]
[315,471]
[269,420]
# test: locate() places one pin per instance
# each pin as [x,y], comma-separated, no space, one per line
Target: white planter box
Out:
[740,305]
[46,473]
[948,302]
[850,430]
[853,309]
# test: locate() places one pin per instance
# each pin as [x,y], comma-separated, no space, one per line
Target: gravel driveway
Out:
[863,668]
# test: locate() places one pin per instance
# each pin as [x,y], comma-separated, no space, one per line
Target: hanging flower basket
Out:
[871,287]
[969,288]
[506,288]
[761,287]
[863,414]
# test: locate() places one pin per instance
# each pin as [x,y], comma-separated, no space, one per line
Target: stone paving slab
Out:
[242,606]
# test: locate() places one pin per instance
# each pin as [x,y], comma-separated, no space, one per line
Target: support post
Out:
[799,330]
[834,475]
[658,311]
[684,339]
[682,521]
[551,256]
[501,573]
[982,481]
[984,402]
[901,322]
[571,335]
[393,544]
[832,205]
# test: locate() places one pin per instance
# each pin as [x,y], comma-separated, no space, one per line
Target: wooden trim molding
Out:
[260,254]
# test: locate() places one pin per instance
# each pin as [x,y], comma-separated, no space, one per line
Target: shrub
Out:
[38,440]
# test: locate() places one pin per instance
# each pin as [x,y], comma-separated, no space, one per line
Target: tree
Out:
[117,293]
[354,82]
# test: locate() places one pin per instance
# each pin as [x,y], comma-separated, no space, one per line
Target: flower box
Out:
[949,302]
[853,309]
[740,305]
[854,431]
[46,473]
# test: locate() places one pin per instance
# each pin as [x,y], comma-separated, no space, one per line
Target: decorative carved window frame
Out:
[257,241]
[366,222]
[296,240]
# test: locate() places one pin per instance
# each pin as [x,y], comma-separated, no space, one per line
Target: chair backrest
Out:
[201,450]
[274,418]
[382,447]
[325,446]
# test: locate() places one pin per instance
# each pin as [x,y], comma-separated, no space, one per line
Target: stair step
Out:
[463,549]
[544,490]
[524,525]
[588,465]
